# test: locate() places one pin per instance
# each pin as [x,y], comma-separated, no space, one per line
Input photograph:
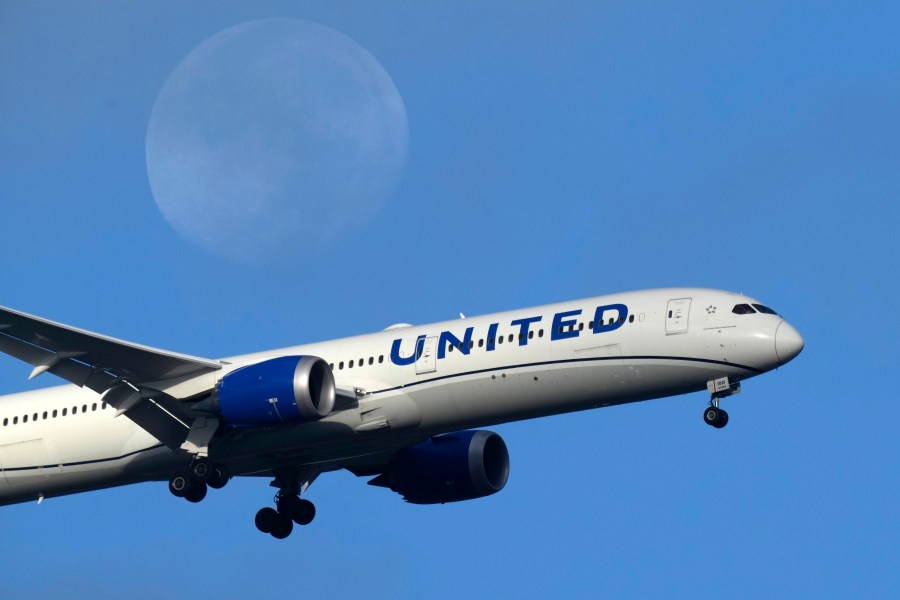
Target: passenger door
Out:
[427,362]
[677,313]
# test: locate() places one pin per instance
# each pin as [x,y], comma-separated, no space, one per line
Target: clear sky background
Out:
[555,151]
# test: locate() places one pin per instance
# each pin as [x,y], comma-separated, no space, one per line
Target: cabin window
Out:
[35,417]
[510,338]
[331,366]
[380,359]
[500,339]
[54,414]
[371,360]
[481,343]
[490,341]
[340,365]
[531,334]
[45,415]
[540,333]
[84,408]
[631,318]
[65,410]
[93,406]
[361,362]
[25,419]
[5,421]
[15,420]
[739,309]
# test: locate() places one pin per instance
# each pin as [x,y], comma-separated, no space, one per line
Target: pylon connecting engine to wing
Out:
[288,389]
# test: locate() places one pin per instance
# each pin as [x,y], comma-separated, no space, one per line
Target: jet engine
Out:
[449,468]
[288,389]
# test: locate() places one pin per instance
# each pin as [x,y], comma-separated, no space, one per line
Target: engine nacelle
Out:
[449,468]
[288,389]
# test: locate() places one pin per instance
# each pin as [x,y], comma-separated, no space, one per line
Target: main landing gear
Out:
[193,483]
[290,508]
[718,389]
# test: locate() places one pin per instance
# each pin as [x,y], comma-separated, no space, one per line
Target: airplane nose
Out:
[788,342]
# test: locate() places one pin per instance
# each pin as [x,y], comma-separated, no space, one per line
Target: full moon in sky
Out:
[273,138]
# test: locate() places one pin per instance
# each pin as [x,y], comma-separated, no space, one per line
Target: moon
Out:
[274,138]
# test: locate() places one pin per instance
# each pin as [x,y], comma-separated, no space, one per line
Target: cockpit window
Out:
[743,309]
[764,309]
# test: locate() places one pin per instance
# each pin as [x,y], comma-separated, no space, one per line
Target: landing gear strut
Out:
[289,508]
[718,389]
[193,483]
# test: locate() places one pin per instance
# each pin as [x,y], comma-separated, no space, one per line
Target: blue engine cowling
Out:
[288,389]
[449,468]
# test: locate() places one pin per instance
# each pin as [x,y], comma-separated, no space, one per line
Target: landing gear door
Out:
[427,361]
[677,315]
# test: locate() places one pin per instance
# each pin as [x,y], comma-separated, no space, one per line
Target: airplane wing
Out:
[108,366]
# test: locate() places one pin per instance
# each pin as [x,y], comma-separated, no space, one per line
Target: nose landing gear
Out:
[715,416]
[718,389]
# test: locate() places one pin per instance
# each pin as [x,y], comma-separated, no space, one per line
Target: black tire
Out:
[711,416]
[202,469]
[180,485]
[304,512]
[265,519]
[196,493]
[723,419]
[219,477]
[282,527]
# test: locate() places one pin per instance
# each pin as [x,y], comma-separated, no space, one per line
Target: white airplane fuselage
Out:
[414,382]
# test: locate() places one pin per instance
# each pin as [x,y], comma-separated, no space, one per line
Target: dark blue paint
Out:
[561,322]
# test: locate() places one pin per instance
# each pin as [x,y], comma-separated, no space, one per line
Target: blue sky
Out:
[555,152]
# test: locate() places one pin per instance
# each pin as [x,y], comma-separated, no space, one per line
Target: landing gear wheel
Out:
[716,417]
[723,419]
[266,518]
[202,469]
[180,485]
[282,527]
[196,493]
[304,512]
[219,477]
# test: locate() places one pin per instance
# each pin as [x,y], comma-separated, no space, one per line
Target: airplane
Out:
[404,406]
